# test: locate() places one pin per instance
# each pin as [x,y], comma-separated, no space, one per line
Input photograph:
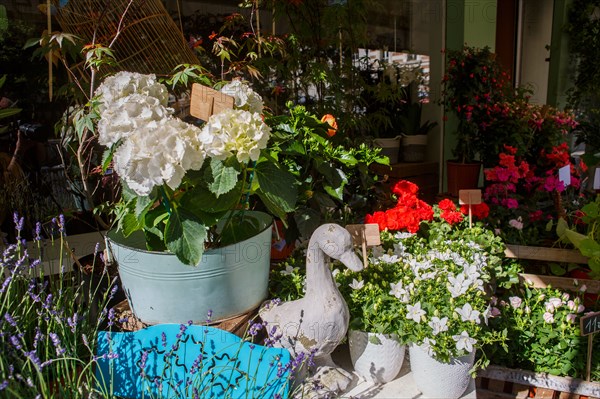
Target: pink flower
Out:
[515,301]
[571,318]
[548,317]
[512,203]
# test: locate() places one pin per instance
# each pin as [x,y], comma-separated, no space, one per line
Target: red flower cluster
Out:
[408,213]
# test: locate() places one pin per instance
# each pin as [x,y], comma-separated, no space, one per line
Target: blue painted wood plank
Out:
[179,361]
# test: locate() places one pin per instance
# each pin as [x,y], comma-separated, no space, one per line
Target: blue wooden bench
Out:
[173,361]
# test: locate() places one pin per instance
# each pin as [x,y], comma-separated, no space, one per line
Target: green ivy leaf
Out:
[185,236]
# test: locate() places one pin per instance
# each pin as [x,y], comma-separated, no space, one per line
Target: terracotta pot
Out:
[462,176]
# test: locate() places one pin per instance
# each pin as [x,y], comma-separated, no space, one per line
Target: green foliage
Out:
[335,183]
[542,329]
[588,242]
[49,322]
[583,29]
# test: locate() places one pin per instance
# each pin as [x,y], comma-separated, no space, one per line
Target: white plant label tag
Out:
[564,175]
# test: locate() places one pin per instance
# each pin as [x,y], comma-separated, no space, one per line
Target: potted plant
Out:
[438,298]
[186,190]
[414,133]
[474,82]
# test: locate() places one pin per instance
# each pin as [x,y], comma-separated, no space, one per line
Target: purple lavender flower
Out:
[14,340]
[113,291]
[19,221]
[10,319]
[32,355]
[38,231]
[37,337]
[143,360]
[209,315]
[57,344]
[111,317]
[85,340]
[163,337]
[61,223]
[196,365]
[3,385]
[182,329]
[97,249]
[72,321]
[254,328]
[196,394]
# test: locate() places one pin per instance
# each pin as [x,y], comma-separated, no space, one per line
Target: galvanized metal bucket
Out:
[227,282]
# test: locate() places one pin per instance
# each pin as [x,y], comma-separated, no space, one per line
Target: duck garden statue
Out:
[318,322]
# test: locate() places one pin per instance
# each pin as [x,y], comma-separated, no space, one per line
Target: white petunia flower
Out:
[356,285]
[467,313]
[438,325]
[414,312]
[463,341]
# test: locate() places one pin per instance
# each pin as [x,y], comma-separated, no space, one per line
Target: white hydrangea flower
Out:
[124,84]
[245,98]
[158,153]
[124,115]
[235,132]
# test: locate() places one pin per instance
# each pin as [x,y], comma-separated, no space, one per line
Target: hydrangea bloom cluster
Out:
[235,132]
[245,98]
[155,148]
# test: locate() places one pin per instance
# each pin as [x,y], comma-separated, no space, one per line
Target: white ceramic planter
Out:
[378,363]
[390,147]
[440,380]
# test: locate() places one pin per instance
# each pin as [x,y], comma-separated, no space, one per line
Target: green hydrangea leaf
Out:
[185,236]
[222,177]
[276,188]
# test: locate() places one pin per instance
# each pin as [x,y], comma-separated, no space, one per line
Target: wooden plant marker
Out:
[364,235]
[589,325]
[228,366]
[469,197]
[206,101]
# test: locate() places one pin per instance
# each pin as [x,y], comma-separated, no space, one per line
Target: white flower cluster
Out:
[155,148]
[129,101]
[235,131]
[160,154]
[245,98]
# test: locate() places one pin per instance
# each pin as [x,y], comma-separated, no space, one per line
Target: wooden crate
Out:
[497,382]
[501,382]
[551,255]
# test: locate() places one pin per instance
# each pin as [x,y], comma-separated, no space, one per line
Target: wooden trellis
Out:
[141,33]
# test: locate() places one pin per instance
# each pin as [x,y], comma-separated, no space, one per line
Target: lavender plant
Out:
[47,335]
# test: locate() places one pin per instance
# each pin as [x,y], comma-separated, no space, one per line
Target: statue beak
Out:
[351,261]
